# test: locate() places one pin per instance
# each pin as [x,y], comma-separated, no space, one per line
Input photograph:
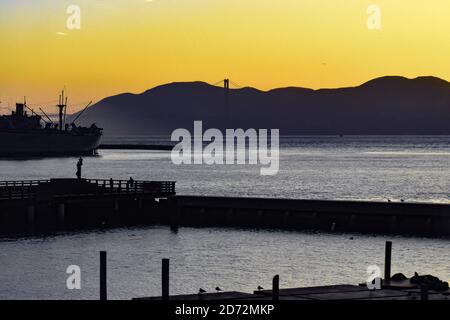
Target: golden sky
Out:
[134,45]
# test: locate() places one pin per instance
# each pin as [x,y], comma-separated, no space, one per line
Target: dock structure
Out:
[332,292]
[397,287]
[86,203]
[424,219]
[156,147]
[67,204]
[388,288]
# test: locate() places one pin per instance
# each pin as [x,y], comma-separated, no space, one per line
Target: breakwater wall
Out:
[341,216]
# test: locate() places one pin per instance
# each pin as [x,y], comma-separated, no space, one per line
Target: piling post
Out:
[103,293]
[387,260]
[333,227]
[393,225]
[229,216]
[276,288]
[61,216]
[31,217]
[429,225]
[423,292]
[286,218]
[165,279]
[351,222]
[174,213]
[314,220]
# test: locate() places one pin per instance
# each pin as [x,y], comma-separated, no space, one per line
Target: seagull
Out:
[200,291]
[402,200]
[388,200]
[218,289]
[260,288]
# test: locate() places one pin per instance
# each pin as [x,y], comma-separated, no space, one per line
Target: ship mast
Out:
[61,106]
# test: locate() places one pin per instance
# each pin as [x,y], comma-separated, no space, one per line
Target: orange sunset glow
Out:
[133,45]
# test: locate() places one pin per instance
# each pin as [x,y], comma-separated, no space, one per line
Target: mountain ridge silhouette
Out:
[381,106]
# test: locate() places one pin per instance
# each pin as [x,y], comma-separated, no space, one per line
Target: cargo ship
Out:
[29,134]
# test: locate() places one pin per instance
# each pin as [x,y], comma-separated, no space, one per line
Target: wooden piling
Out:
[276,288]
[333,227]
[423,292]
[229,216]
[259,214]
[429,225]
[61,216]
[387,260]
[165,279]
[103,292]
[393,224]
[286,218]
[351,222]
[31,217]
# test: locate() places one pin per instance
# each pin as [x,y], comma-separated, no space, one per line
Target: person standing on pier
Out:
[79,165]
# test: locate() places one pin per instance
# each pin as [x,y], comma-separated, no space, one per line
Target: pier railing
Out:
[28,189]
[22,183]
[22,189]
[132,186]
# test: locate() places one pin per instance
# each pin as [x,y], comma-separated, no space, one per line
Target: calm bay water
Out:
[232,259]
[369,168]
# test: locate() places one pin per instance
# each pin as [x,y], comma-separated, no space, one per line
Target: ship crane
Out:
[46,116]
[32,111]
[82,111]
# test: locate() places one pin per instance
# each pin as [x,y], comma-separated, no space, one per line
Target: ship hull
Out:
[20,144]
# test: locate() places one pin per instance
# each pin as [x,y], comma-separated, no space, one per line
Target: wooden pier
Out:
[68,204]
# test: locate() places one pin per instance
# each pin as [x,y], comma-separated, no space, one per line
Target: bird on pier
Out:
[218,289]
[389,200]
[402,200]
[260,288]
[201,291]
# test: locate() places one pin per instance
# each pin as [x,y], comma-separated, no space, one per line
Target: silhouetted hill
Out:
[387,105]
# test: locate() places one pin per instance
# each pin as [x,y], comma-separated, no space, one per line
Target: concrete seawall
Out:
[109,211]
